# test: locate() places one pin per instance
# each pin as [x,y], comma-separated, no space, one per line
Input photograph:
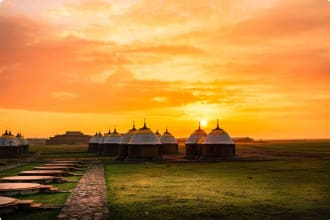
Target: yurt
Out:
[111,142]
[91,143]
[124,140]
[169,143]
[144,145]
[9,145]
[218,144]
[192,145]
[95,142]
[98,144]
[23,142]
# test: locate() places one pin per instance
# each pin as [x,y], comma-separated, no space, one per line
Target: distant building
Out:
[37,140]
[70,137]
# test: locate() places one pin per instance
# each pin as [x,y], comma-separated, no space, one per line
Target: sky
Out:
[261,67]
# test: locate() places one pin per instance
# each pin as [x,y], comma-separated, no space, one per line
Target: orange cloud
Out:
[258,65]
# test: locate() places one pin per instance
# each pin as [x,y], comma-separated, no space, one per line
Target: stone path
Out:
[89,199]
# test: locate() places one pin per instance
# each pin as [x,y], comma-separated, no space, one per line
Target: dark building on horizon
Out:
[70,137]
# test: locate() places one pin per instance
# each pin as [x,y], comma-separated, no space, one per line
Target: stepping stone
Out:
[63,165]
[44,173]
[7,205]
[55,168]
[6,201]
[13,189]
[34,179]
[67,161]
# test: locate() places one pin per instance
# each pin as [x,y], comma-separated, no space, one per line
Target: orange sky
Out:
[261,67]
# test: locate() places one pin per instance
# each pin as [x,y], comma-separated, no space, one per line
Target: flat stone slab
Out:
[43,179]
[62,164]
[67,161]
[7,201]
[44,173]
[18,186]
[89,199]
[55,168]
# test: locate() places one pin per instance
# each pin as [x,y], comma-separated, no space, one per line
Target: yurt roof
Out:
[97,138]
[196,136]
[124,139]
[218,136]
[7,139]
[144,136]
[168,138]
[157,133]
[21,139]
[112,138]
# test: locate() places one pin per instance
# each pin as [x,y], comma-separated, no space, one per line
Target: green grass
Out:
[63,148]
[277,189]
[307,146]
[291,186]
[74,155]
[15,171]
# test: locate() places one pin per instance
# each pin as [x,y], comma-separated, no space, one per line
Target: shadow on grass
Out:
[209,210]
[32,215]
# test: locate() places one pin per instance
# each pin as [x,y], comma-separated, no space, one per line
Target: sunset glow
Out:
[261,67]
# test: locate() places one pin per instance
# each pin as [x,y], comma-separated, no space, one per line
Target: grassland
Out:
[293,184]
[275,180]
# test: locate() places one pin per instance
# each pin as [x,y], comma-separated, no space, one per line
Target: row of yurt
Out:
[11,146]
[135,144]
[216,144]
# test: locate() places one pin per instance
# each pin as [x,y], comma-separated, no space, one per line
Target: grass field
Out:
[288,187]
[282,180]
